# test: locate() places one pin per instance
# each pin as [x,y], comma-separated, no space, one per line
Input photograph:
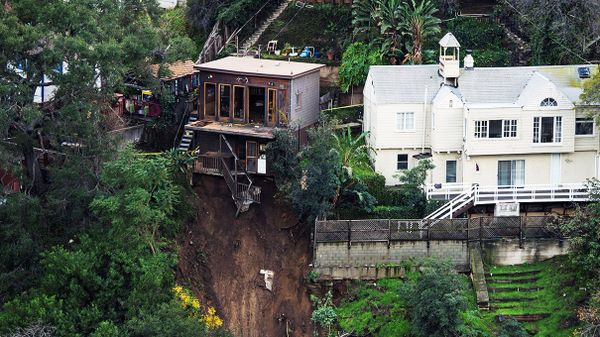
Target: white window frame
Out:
[481,129]
[585,120]
[549,102]
[509,128]
[398,161]
[402,121]
[557,126]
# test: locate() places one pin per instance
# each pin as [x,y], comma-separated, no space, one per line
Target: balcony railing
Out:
[526,193]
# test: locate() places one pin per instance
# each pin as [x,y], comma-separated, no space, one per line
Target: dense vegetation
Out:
[87,245]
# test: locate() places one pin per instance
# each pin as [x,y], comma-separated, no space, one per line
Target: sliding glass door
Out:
[511,173]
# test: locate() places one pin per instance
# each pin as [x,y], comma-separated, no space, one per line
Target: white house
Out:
[517,129]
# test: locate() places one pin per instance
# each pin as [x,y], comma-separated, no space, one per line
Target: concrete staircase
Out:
[251,41]
[523,50]
[188,135]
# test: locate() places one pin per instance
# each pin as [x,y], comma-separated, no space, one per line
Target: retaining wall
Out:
[375,260]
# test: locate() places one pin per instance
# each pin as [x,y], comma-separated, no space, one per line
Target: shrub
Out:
[437,300]
[512,328]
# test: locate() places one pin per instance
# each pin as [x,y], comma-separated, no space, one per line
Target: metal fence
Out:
[482,228]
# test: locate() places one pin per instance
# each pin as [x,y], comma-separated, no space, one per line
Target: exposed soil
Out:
[222,256]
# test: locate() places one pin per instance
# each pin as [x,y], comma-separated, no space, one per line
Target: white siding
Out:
[304,92]
[523,143]
[388,137]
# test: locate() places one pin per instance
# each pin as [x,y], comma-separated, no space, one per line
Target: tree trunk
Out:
[33,166]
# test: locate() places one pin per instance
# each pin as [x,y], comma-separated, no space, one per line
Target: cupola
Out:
[449,58]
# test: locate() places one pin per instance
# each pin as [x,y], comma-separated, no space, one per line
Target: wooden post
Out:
[349,234]
[480,230]
[389,232]
[521,232]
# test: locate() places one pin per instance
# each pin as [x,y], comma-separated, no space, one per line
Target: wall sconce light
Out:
[242,79]
[271,83]
[210,76]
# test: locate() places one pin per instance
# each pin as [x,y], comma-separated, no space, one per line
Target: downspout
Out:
[424,120]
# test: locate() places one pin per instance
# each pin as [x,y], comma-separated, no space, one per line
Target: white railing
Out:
[526,193]
[454,205]
[532,193]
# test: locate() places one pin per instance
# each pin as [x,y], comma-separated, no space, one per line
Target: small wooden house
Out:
[243,99]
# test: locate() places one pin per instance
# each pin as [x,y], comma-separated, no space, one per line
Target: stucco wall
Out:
[507,252]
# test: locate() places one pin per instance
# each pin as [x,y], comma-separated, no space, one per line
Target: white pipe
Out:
[424,120]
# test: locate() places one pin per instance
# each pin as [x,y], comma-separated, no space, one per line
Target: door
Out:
[271,107]
[210,100]
[251,157]
[511,173]
[555,168]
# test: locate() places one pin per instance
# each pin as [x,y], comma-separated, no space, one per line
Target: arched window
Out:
[549,102]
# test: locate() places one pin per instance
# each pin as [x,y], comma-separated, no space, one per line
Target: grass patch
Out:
[558,298]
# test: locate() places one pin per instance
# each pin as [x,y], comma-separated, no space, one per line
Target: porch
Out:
[225,163]
[482,195]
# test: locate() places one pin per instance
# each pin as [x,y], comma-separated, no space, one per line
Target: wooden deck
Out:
[250,130]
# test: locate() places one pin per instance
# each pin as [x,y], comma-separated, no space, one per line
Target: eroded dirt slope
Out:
[222,256]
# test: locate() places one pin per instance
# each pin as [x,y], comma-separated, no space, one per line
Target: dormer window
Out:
[548,102]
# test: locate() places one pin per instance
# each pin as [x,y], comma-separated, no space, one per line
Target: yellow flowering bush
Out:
[192,304]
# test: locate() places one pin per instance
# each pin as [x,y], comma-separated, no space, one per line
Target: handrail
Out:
[449,208]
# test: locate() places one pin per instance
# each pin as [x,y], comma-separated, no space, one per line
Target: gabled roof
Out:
[449,41]
[177,69]
[490,85]
[251,66]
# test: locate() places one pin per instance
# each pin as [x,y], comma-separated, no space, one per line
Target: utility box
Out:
[507,209]
[262,164]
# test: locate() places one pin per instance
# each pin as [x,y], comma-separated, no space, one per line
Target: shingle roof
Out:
[406,84]
[176,69]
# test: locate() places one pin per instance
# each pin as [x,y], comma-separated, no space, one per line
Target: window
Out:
[584,127]
[548,102]
[239,102]
[450,171]
[224,100]
[405,121]
[209,99]
[511,173]
[547,129]
[510,128]
[402,163]
[271,106]
[481,129]
[495,129]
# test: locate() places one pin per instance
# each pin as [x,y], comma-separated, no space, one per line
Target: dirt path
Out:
[222,256]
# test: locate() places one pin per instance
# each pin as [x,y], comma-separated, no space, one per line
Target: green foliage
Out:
[324,314]
[315,179]
[420,24]
[559,31]
[145,187]
[591,87]
[174,21]
[324,26]
[379,310]
[484,37]
[356,60]
[436,301]
[344,115]
[181,48]
[399,29]
[512,328]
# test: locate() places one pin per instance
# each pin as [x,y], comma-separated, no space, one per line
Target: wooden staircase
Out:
[251,41]
[188,135]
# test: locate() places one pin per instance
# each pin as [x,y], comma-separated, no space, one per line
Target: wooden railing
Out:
[208,165]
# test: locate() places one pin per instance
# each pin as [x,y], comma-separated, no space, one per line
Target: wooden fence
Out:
[474,229]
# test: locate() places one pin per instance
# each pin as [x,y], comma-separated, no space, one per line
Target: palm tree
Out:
[419,22]
[353,152]
[379,22]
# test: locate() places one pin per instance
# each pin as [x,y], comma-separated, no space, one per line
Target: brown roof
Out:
[177,69]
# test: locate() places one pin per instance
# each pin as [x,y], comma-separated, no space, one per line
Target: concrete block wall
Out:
[367,260]
[508,252]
